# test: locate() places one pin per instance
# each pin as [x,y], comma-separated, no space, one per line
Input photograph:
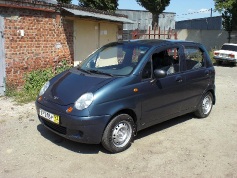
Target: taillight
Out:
[231,56]
[216,53]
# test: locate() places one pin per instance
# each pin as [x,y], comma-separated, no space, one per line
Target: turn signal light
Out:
[40,98]
[69,110]
[135,90]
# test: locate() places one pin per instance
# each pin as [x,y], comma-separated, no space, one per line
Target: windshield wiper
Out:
[85,71]
[100,72]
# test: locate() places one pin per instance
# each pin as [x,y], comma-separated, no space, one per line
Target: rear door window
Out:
[194,58]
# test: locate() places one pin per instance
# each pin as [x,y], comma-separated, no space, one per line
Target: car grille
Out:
[55,127]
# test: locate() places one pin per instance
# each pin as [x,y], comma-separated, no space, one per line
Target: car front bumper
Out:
[80,129]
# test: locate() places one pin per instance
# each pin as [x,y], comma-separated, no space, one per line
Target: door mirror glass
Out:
[159,73]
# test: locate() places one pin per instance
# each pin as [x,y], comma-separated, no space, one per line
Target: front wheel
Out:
[205,106]
[119,133]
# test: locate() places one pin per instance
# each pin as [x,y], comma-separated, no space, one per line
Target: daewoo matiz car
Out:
[125,87]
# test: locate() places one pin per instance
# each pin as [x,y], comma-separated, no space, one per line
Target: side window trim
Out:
[148,72]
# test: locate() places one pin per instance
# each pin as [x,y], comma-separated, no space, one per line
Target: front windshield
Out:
[117,59]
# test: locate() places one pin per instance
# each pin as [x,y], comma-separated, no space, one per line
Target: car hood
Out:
[69,87]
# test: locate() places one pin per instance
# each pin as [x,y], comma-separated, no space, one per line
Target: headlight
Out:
[44,88]
[84,101]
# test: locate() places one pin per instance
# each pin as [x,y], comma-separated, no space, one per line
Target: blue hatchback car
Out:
[125,87]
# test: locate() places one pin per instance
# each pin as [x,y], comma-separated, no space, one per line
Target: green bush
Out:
[34,81]
[62,66]
[211,54]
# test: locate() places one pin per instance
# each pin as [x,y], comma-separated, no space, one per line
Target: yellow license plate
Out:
[47,115]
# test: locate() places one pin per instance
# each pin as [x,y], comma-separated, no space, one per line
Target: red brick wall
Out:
[37,48]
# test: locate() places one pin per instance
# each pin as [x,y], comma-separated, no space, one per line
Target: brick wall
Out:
[34,39]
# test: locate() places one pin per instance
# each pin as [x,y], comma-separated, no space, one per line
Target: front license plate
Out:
[47,115]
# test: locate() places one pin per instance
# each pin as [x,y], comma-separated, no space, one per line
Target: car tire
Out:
[119,133]
[205,106]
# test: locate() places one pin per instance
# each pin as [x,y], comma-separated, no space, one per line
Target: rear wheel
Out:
[119,133]
[205,106]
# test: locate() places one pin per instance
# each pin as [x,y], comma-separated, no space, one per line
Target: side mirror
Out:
[92,64]
[158,73]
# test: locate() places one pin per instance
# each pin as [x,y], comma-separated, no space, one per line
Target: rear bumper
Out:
[79,129]
[225,59]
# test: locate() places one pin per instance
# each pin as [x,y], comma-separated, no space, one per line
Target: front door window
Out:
[167,60]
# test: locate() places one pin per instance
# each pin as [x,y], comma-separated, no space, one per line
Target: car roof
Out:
[232,44]
[155,42]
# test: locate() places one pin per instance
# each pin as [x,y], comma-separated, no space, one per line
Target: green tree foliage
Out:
[105,5]
[228,8]
[156,7]
[227,20]
[65,1]
[221,5]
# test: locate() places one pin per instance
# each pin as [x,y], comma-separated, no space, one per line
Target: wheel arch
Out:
[214,96]
[130,112]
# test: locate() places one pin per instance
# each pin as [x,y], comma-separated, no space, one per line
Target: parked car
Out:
[227,53]
[125,87]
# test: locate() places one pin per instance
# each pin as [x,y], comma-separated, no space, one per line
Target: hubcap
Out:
[207,104]
[122,133]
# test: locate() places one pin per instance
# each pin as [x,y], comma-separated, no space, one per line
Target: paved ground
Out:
[182,147]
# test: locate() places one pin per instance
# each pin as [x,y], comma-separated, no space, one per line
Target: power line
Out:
[196,12]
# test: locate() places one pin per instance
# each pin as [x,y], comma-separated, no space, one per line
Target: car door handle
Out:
[207,72]
[179,79]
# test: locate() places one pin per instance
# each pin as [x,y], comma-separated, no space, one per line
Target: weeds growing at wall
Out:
[34,81]
[211,54]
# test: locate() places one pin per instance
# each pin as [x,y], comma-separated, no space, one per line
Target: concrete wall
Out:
[210,38]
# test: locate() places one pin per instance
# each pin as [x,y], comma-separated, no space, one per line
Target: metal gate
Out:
[2,58]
